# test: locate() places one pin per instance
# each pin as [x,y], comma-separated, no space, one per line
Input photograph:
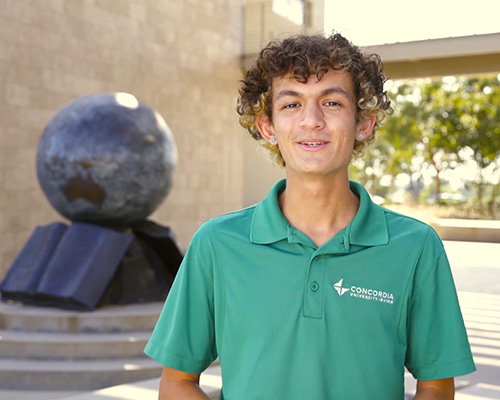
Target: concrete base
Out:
[467,230]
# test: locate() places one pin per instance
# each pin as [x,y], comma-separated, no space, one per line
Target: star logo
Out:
[338,287]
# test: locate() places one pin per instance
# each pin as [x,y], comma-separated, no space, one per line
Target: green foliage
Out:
[478,113]
[438,124]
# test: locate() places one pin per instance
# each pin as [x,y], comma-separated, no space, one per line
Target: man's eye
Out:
[332,103]
[291,105]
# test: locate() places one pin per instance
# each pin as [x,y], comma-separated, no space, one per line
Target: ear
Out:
[365,126]
[266,128]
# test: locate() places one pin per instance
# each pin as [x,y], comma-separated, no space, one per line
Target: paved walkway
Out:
[146,390]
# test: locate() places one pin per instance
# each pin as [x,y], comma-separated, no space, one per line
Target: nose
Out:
[312,117]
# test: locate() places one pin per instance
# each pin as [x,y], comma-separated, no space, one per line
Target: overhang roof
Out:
[466,55]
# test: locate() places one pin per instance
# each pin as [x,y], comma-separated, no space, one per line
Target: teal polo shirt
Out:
[291,321]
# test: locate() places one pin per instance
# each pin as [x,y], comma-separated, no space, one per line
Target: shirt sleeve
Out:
[438,347]
[184,336]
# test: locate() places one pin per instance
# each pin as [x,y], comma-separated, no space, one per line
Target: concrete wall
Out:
[181,57]
[260,172]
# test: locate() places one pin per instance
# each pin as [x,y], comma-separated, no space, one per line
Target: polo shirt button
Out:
[314,286]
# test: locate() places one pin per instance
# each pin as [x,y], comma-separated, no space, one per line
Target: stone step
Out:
[210,382]
[70,346]
[134,317]
[74,375]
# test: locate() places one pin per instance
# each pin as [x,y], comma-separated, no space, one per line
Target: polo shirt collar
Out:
[269,225]
[368,228]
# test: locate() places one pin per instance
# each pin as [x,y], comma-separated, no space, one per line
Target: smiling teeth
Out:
[312,143]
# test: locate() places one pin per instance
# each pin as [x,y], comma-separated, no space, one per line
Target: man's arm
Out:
[179,385]
[440,389]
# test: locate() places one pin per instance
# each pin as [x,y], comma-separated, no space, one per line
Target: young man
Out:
[315,292]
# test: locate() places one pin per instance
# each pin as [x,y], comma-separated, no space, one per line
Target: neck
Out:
[319,208]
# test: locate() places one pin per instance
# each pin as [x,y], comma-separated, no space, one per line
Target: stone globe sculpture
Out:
[106,159]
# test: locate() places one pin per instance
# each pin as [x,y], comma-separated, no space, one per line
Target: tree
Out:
[420,129]
[402,134]
[477,108]
[439,122]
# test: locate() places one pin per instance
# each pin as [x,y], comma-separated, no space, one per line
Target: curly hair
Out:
[303,56]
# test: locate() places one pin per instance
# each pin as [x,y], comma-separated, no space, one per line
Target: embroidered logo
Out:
[364,293]
[338,287]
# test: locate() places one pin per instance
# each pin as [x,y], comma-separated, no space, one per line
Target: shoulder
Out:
[405,227]
[235,222]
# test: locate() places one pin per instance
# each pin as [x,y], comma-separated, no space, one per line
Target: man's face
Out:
[314,123]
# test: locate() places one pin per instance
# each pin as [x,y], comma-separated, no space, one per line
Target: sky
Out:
[368,22]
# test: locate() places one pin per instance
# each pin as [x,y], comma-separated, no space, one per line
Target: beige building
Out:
[182,58]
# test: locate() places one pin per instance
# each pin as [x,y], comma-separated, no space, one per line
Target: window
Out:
[290,9]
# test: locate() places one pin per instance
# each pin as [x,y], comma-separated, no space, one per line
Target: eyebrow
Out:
[326,92]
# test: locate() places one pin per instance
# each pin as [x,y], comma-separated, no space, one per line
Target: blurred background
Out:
[184,58]
[437,158]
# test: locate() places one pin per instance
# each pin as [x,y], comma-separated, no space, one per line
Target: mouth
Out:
[312,144]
